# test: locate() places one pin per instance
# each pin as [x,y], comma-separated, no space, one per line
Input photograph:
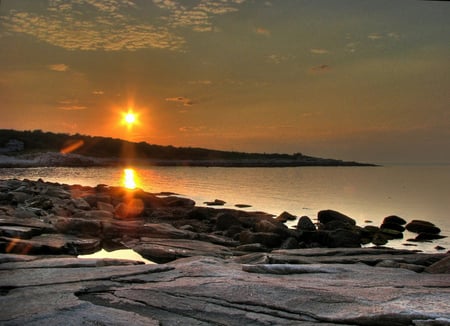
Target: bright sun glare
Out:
[130,118]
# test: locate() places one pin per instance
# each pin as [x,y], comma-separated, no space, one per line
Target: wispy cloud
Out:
[60,67]
[98,92]
[278,58]
[320,68]
[199,16]
[262,31]
[181,100]
[375,36]
[201,82]
[319,51]
[70,105]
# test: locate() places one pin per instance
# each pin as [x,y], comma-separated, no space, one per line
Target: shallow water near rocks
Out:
[118,254]
[363,193]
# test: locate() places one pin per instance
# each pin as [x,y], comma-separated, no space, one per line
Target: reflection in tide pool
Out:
[118,254]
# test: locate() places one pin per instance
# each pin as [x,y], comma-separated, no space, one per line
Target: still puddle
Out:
[118,254]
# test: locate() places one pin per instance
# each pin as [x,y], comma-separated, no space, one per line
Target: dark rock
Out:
[305,224]
[331,220]
[394,219]
[284,217]
[439,248]
[179,202]
[290,243]
[418,226]
[391,234]
[252,247]
[379,239]
[129,209]
[225,221]
[423,236]
[216,202]
[392,226]
[242,205]
[270,240]
[371,229]
[344,238]
[78,226]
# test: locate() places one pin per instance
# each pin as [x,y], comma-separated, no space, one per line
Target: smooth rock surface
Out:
[214,291]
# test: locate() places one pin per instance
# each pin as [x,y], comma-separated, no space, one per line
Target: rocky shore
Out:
[216,266]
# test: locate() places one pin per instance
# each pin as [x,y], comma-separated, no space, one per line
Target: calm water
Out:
[363,193]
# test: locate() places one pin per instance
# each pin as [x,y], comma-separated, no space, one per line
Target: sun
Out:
[129,118]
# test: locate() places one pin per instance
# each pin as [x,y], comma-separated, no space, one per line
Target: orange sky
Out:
[351,79]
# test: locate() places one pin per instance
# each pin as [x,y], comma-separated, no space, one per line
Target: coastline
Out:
[56,159]
[245,266]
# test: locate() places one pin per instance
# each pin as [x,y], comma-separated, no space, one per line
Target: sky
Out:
[363,80]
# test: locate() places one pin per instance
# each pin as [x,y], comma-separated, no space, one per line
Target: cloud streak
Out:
[181,100]
[60,67]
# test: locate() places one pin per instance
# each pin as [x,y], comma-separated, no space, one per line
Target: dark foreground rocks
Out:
[213,291]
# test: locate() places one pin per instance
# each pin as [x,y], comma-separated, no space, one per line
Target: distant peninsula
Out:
[38,148]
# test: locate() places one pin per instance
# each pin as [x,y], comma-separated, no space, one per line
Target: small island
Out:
[38,148]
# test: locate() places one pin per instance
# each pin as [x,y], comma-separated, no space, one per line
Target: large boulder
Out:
[440,267]
[284,217]
[270,240]
[419,226]
[225,221]
[344,238]
[331,219]
[305,224]
[394,219]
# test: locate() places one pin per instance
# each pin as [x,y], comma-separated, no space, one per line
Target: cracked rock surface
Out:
[216,291]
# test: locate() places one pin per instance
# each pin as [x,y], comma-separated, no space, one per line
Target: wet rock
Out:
[216,202]
[242,205]
[419,226]
[394,220]
[391,234]
[392,226]
[305,224]
[251,247]
[427,237]
[285,216]
[331,220]
[343,238]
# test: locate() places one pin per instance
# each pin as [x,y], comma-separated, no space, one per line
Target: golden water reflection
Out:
[130,179]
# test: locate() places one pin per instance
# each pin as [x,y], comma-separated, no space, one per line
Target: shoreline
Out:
[56,159]
[246,267]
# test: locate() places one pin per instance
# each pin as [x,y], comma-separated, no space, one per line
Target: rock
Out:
[394,220]
[379,239]
[439,248]
[242,205]
[252,247]
[285,216]
[305,224]
[19,232]
[440,267]
[105,207]
[166,250]
[78,226]
[334,220]
[391,234]
[343,238]
[419,226]
[216,202]
[423,236]
[80,203]
[286,269]
[290,243]
[270,240]
[224,221]
[392,226]
[130,209]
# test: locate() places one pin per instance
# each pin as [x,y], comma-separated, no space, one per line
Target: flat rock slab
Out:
[166,250]
[214,291]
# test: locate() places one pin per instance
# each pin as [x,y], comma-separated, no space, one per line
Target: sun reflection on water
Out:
[130,179]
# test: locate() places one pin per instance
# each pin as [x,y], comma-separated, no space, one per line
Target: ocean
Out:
[367,194]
